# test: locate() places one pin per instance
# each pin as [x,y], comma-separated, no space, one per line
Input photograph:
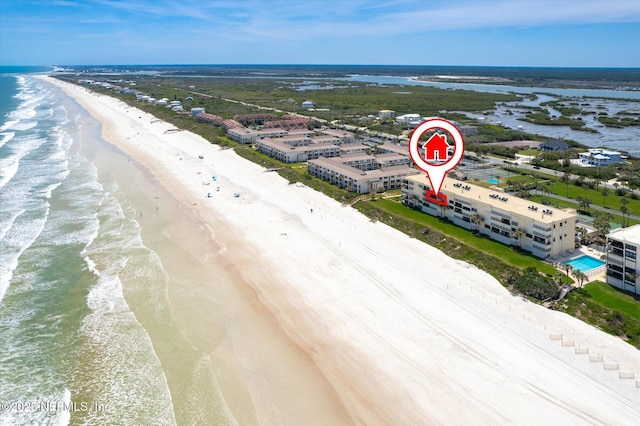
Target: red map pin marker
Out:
[436,150]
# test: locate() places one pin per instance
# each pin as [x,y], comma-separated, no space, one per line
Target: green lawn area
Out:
[533,152]
[573,191]
[611,298]
[478,242]
[562,204]
[605,307]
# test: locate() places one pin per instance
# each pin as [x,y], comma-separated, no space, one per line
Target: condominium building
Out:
[390,148]
[291,149]
[544,231]
[388,160]
[622,266]
[342,135]
[337,172]
[353,148]
[249,136]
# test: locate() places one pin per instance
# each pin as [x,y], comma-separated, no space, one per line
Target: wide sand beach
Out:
[306,312]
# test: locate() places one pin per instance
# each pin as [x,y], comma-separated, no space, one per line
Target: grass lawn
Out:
[533,152]
[478,242]
[604,307]
[611,298]
[611,201]
[567,204]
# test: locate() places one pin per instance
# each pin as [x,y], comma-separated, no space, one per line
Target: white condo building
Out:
[622,262]
[542,230]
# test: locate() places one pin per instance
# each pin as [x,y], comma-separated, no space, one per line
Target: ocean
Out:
[72,351]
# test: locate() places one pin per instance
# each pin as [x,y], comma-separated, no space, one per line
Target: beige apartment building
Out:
[544,231]
[292,149]
[622,260]
[249,136]
[353,173]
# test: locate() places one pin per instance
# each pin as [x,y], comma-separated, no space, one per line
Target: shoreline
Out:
[397,345]
[211,323]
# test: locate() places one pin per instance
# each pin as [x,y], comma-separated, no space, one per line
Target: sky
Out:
[554,33]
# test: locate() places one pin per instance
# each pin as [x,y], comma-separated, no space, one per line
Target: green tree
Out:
[517,234]
[566,178]
[532,283]
[476,219]
[605,192]
[580,276]
[624,210]
[602,224]
[567,268]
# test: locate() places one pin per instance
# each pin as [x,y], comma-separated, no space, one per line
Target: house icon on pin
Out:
[436,147]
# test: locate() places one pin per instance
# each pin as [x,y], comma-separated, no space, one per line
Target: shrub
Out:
[532,283]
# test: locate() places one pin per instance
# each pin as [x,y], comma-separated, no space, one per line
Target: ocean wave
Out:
[21,125]
[112,329]
[6,224]
[6,137]
[7,125]
[8,168]
[19,238]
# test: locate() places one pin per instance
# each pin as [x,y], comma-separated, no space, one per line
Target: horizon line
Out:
[319,65]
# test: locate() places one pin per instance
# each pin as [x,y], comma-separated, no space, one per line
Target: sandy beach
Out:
[339,320]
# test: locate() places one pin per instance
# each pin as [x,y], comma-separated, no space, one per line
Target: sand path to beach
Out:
[404,334]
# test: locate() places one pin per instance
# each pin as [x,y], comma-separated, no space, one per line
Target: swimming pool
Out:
[584,263]
[493,181]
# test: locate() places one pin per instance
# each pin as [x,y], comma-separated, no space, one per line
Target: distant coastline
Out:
[604,78]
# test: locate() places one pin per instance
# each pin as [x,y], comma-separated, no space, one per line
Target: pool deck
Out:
[598,274]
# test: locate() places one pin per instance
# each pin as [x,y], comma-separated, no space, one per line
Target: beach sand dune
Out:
[403,333]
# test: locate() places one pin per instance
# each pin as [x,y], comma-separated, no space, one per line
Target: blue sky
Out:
[564,33]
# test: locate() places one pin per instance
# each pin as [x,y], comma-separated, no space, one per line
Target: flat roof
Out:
[247,131]
[337,133]
[513,204]
[398,149]
[325,138]
[391,156]
[354,173]
[279,144]
[355,157]
[630,234]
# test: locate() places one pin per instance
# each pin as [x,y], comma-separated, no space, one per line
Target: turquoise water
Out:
[585,263]
[493,181]
[67,242]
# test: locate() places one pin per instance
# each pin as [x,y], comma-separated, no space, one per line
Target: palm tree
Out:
[605,192]
[580,276]
[566,178]
[624,210]
[567,268]
[597,183]
[476,219]
[547,188]
[517,234]
[624,202]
